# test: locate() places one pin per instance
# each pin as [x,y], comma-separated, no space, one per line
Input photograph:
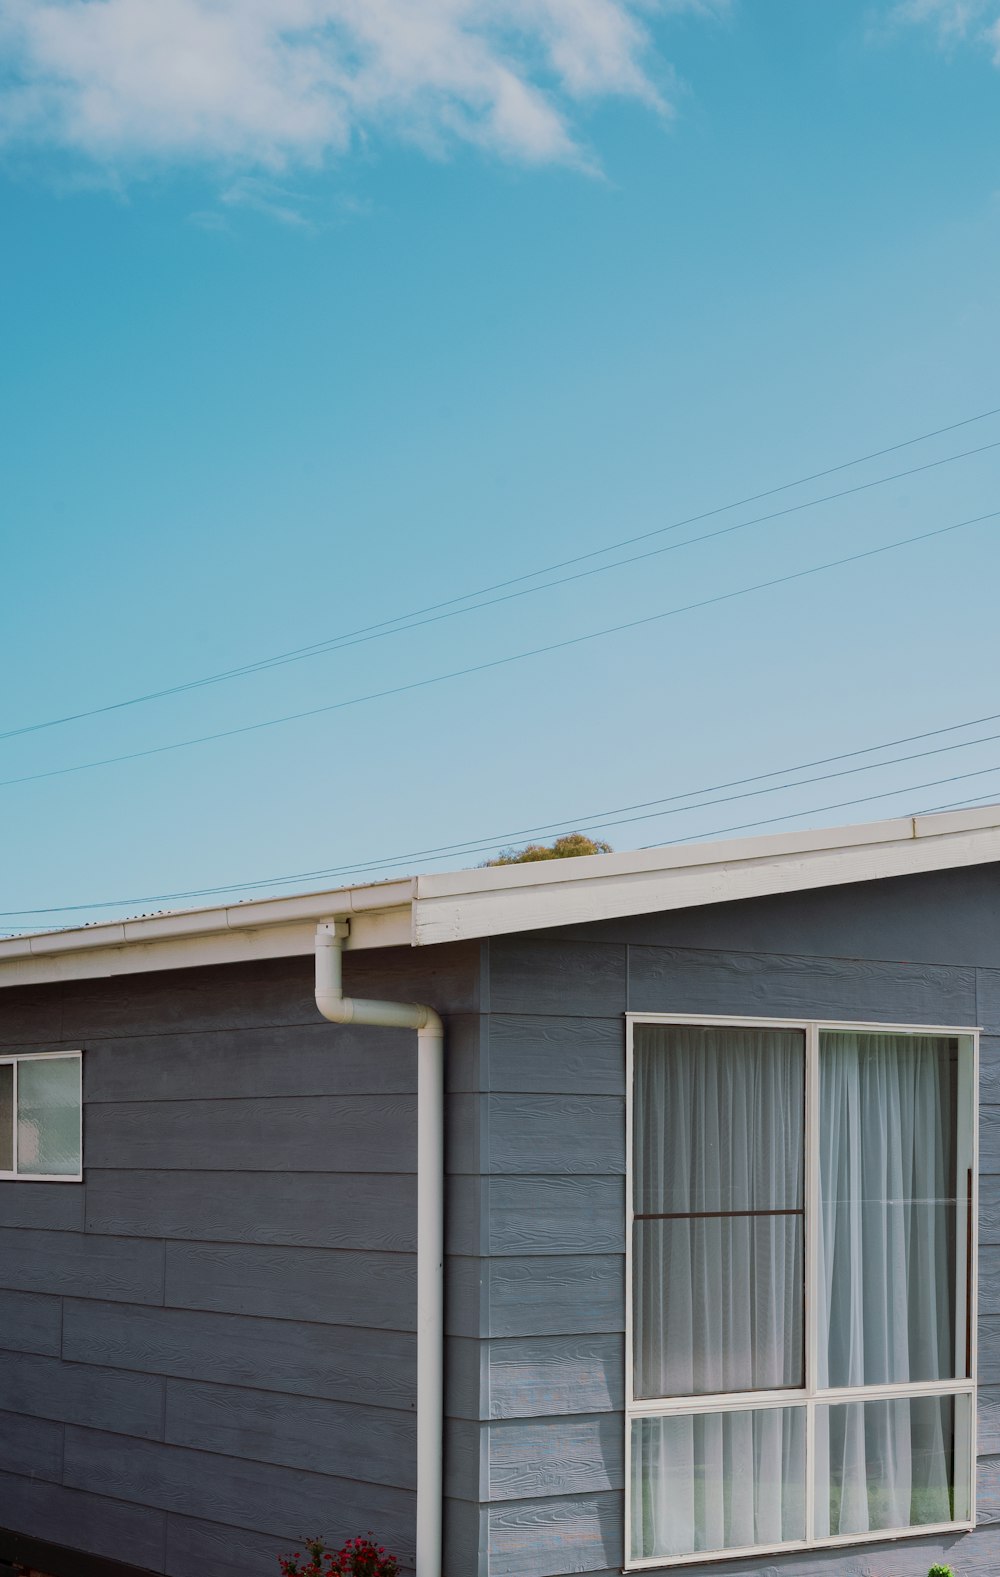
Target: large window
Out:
[41,1114]
[801,1285]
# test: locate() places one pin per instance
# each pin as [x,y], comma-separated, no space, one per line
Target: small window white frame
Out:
[8,1059]
[810,1396]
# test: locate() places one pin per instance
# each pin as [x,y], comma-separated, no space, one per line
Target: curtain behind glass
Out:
[718,1291]
[887,1281]
[718,1301]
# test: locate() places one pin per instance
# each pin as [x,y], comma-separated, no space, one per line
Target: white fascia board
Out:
[611,886]
[270,928]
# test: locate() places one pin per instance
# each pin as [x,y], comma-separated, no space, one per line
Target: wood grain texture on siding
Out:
[280,1062]
[988,1489]
[989,1070]
[336,1133]
[561,1056]
[556,1456]
[91,1523]
[263,1498]
[531,1538]
[989,1350]
[372,1444]
[338,1362]
[556,1133]
[350,1210]
[988,988]
[81,1265]
[544,1376]
[30,1323]
[988,1420]
[532,974]
[989,1140]
[535,1215]
[127,1404]
[56,1207]
[680,980]
[331,1286]
[547,1295]
[32,1446]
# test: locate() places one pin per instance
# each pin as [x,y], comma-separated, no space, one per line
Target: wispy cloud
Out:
[955,21]
[268,85]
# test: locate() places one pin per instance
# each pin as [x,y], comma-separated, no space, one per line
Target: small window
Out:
[41,1117]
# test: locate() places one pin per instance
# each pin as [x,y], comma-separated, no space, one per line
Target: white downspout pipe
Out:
[330,999]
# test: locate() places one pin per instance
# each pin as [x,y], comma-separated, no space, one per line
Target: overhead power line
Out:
[619,816]
[434,613]
[500,662]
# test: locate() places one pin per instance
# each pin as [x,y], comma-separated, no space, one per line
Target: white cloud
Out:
[955,20]
[268,84]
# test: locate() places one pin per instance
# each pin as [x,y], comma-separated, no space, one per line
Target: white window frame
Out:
[810,1396]
[8,1059]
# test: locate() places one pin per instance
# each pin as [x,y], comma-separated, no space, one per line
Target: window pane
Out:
[717,1481]
[887,1208]
[48,1116]
[890,1464]
[718,1198]
[6,1118]
[718,1305]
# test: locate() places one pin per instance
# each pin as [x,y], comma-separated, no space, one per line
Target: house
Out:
[722,1272]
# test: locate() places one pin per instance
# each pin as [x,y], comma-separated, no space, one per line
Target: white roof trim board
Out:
[463,905]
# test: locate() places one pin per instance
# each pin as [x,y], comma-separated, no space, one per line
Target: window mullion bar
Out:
[812,1289]
[13,1122]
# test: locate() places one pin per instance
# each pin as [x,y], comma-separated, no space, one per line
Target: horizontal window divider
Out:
[748,1401]
[794,1546]
[734,1402]
[711,1215]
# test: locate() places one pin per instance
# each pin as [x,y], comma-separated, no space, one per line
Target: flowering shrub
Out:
[357,1558]
[940,1571]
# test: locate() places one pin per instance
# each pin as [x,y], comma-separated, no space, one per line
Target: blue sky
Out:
[355,335]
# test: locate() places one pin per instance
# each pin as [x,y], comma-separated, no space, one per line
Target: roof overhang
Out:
[464,905]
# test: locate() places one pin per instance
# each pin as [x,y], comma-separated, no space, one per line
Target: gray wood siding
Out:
[539,1178]
[207,1349]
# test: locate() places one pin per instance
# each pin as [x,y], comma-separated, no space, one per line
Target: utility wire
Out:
[595,820]
[433,614]
[841,804]
[499,662]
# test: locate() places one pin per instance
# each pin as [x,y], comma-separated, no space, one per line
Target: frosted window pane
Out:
[6,1118]
[717,1481]
[48,1117]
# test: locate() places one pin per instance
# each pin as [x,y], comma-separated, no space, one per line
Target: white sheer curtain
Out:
[887,1293]
[718,1294]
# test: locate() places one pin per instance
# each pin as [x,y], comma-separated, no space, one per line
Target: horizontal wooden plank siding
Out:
[545,1192]
[352,1210]
[207,1349]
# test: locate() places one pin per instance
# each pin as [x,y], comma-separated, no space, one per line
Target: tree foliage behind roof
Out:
[565,848]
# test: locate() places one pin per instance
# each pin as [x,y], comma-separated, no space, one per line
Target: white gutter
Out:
[330,938]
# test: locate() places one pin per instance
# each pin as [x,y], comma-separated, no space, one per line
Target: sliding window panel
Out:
[48,1117]
[707,1482]
[891,1465]
[887,1209]
[718,1203]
